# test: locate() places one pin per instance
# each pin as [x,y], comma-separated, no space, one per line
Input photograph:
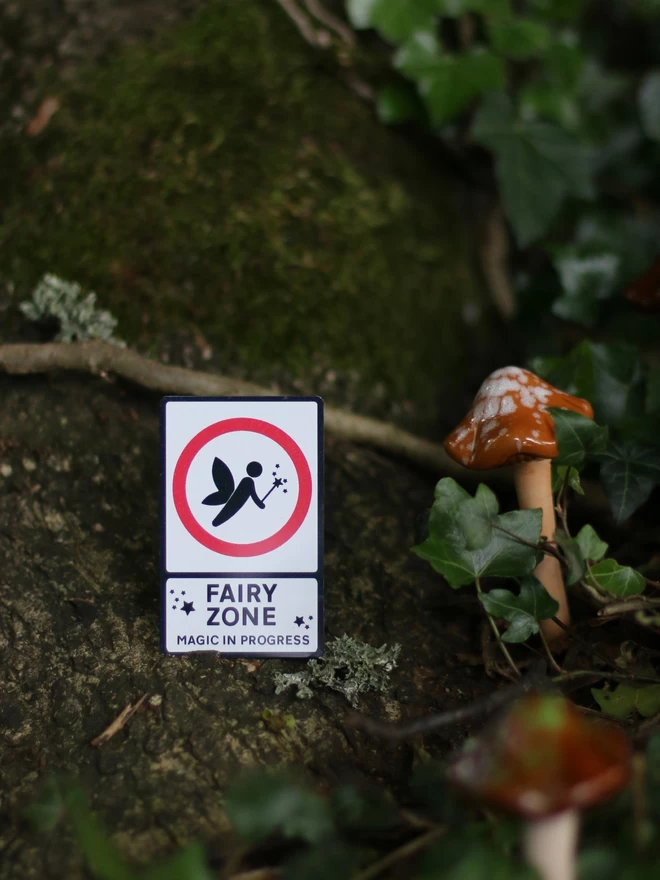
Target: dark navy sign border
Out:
[318,574]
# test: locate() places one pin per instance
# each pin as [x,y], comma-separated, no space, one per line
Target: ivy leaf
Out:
[399,102]
[524,611]
[627,698]
[519,38]
[396,20]
[258,804]
[628,473]
[188,864]
[575,564]
[591,546]
[586,280]
[446,547]
[610,377]
[577,436]
[475,518]
[447,83]
[649,105]
[619,580]
[571,474]
[537,165]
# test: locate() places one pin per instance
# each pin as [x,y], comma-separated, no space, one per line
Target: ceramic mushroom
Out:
[546,762]
[509,424]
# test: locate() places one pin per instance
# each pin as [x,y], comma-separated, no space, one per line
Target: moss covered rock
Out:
[221,182]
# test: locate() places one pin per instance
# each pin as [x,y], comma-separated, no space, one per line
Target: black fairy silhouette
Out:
[233,499]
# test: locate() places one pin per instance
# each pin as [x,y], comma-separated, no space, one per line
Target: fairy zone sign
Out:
[242,526]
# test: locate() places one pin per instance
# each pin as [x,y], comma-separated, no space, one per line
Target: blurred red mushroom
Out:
[509,424]
[546,762]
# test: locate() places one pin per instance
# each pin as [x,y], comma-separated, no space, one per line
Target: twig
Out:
[258,874]
[544,546]
[403,852]
[640,604]
[598,673]
[546,648]
[120,722]
[584,645]
[498,637]
[319,12]
[99,357]
[301,21]
[535,679]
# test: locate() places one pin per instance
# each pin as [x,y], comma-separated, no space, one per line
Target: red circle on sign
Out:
[290,527]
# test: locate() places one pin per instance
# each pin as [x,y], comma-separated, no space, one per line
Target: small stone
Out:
[29,464]
[6,470]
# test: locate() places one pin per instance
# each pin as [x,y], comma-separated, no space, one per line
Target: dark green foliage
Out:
[524,611]
[64,799]
[538,165]
[260,804]
[577,437]
[448,545]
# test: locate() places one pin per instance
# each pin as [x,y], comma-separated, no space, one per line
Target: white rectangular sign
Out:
[243,534]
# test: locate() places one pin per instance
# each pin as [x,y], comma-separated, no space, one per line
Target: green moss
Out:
[219,179]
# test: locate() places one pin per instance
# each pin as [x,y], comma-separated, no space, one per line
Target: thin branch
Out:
[546,648]
[535,679]
[498,637]
[298,17]
[403,852]
[100,358]
[637,604]
[119,723]
[610,676]
[316,8]
[544,546]
[583,644]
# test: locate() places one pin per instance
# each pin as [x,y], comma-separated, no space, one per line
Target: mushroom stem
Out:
[550,844]
[533,481]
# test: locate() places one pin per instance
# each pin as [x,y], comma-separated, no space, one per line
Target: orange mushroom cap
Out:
[509,421]
[544,757]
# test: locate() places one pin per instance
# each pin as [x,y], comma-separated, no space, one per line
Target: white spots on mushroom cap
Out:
[507,406]
[536,435]
[489,426]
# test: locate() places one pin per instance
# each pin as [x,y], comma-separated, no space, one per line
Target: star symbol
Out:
[311,617]
[187,607]
[171,591]
[173,607]
[277,482]
[277,465]
[284,490]
[183,592]
[298,621]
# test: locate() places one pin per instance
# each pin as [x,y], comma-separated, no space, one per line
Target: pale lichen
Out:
[76,313]
[349,666]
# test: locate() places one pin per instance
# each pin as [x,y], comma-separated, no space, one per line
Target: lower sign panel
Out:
[256,615]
